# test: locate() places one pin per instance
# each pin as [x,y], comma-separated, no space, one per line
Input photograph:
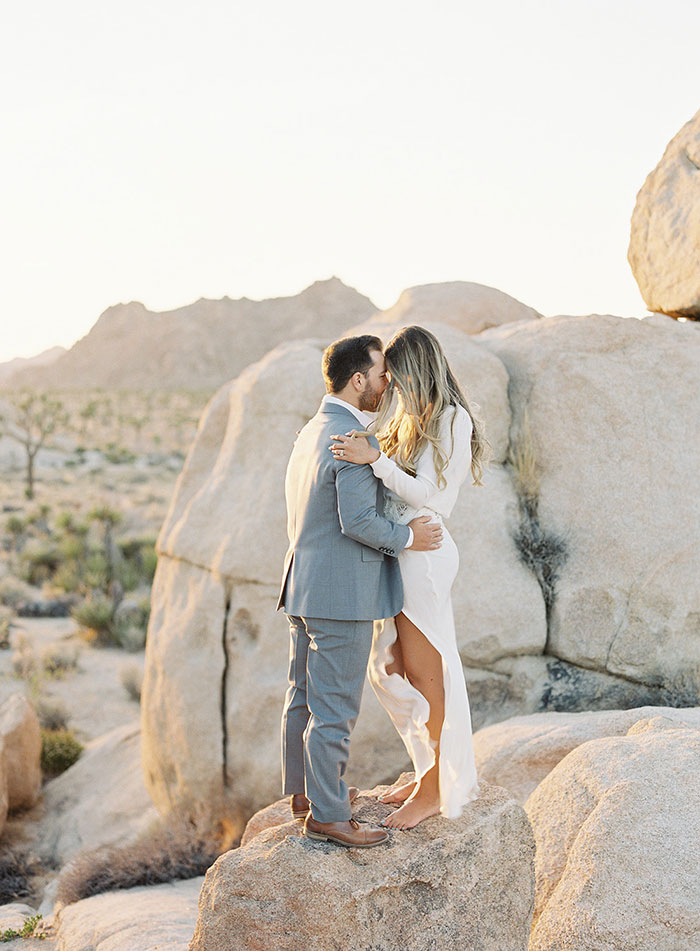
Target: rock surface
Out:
[469,307]
[464,882]
[133,919]
[664,245]
[213,650]
[618,855]
[519,752]
[100,800]
[20,734]
[611,404]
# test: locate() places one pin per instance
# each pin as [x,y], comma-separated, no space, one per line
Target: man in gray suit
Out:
[340,573]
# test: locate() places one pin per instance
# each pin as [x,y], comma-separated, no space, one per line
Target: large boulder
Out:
[618,855]
[100,800]
[469,307]
[449,883]
[131,919]
[21,735]
[520,751]
[664,245]
[217,652]
[607,407]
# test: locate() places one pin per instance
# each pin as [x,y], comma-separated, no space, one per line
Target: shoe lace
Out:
[354,823]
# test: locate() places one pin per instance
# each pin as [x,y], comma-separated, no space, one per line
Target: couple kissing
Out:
[367,583]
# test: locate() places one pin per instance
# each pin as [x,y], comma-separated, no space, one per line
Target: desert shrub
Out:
[96,573]
[149,558]
[16,871]
[132,638]
[59,750]
[119,455]
[67,578]
[131,679]
[25,663]
[95,615]
[127,574]
[28,929]
[179,846]
[5,623]
[53,714]
[58,660]
[13,591]
[38,561]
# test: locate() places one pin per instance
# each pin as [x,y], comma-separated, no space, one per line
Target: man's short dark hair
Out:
[346,357]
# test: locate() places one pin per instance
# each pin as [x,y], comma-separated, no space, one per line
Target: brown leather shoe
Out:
[353,834]
[300,804]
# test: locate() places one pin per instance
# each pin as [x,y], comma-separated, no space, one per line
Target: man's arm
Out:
[356,491]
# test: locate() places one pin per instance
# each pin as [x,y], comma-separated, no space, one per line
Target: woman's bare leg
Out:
[396,666]
[423,668]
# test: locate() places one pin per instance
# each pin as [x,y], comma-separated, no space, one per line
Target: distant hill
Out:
[19,363]
[199,346]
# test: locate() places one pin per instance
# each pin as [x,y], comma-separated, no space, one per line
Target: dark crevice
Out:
[224,679]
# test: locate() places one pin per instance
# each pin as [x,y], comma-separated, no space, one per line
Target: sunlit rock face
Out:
[449,883]
[469,307]
[607,620]
[217,652]
[612,407]
[618,855]
[664,250]
[519,752]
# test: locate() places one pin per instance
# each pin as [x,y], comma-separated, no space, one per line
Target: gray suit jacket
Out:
[336,565]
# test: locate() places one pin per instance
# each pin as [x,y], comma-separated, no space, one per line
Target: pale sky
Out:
[165,151]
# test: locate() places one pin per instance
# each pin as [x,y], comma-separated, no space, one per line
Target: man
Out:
[340,573]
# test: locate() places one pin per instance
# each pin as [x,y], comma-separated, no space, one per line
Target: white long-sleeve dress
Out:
[427,578]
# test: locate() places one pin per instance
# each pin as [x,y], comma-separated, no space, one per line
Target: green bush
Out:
[39,560]
[95,616]
[119,455]
[60,659]
[13,591]
[59,750]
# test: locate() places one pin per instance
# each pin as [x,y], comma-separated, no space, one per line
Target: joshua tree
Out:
[36,416]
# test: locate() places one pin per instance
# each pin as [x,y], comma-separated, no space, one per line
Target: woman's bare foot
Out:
[397,793]
[412,812]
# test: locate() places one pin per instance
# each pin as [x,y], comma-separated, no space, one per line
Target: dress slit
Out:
[427,579]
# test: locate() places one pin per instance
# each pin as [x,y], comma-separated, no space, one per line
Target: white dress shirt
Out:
[364,420]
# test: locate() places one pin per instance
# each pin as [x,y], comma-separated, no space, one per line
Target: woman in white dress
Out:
[428,443]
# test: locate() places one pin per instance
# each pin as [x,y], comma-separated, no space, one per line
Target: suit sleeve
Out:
[356,490]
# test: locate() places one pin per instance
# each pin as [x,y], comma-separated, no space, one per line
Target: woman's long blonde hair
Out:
[425,386]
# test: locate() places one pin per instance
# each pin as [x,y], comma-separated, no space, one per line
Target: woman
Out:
[427,446]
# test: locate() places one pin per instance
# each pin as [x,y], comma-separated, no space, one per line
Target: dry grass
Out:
[131,679]
[180,846]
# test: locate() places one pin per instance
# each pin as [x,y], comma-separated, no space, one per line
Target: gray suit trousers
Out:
[327,665]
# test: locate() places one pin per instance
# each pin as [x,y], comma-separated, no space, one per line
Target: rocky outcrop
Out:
[618,857]
[664,245]
[216,654]
[131,919]
[20,734]
[519,752]
[469,307]
[611,406]
[581,594]
[198,346]
[100,800]
[448,883]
